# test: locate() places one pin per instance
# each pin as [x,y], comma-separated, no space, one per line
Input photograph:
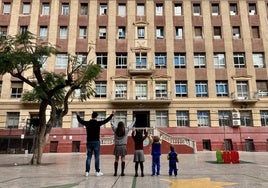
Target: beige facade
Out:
[178,63]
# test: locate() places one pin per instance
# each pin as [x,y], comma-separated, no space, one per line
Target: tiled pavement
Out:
[195,171]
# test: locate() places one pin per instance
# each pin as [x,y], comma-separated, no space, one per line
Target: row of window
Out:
[122,9]
[160,60]
[182,118]
[121,32]
[161,89]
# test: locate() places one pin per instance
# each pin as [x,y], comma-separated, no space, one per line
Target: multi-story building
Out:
[193,69]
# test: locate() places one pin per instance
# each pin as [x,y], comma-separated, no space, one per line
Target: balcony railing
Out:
[250,97]
[141,68]
[151,96]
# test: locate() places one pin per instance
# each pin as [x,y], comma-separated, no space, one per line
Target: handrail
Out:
[176,140]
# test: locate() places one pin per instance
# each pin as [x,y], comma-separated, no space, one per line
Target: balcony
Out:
[140,69]
[153,98]
[250,97]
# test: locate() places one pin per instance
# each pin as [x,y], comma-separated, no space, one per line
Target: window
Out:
[7,8]
[242,89]
[141,32]
[225,117]
[65,9]
[246,118]
[197,9]
[26,8]
[121,90]
[222,88]
[161,118]
[122,10]
[159,9]
[262,88]
[141,61]
[63,32]
[201,89]
[83,8]
[79,93]
[199,60]
[82,32]
[141,90]
[43,32]
[61,61]
[45,9]
[182,118]
[160,60]
[120,116]
[101,117]
[219,60]
[140,10]
[198,33]
[13,119]
[178,32]
[217,32]
[179,60]
[258,60]
[103,9]
[233,9]
[203,118]
[181,88]
[255,32]
[121,60]
[161,90]
[75,123]
[159,32]
[239,60]
[252,9]
[102,32]
[3,31]
[177,9]
[16,89]
[215,9]
[264,118]
[121,32]
[102,59]
[81,59]
[43,60]
[100,89]
[23,28]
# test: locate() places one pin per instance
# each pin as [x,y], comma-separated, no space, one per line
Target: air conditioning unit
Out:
[232,13]
[236,123]
[236,115]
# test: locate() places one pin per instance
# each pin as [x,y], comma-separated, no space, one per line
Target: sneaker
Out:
[86,174]
[99,173]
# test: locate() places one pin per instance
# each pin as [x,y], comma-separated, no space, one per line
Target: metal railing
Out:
[245,96]
[176,140]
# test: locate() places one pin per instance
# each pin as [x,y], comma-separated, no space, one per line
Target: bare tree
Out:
[21,53]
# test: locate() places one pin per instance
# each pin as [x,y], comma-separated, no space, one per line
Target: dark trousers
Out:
[156,165]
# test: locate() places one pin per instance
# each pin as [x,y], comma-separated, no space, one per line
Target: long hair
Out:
[120,130]
[138,136]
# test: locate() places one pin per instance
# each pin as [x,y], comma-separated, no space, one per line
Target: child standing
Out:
[156,153]
[120,142]
[138,138]
[173,160]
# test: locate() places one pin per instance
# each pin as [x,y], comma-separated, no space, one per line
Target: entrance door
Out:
[53,146]
[249,145]
[207,145]
[142,118]
[228,144]
[76,146]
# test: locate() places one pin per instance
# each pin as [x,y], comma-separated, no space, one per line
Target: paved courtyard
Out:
[195,171]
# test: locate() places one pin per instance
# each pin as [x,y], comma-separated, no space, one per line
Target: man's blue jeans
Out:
[93,147]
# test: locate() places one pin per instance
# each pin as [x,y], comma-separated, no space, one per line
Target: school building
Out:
[193,71]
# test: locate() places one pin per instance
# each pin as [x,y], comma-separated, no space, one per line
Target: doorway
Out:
[76,146]
[142,118]
[54,146]
[228,145]
[207,145]
[249,145]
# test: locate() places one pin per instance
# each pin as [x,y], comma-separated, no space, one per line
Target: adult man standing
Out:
[93,140]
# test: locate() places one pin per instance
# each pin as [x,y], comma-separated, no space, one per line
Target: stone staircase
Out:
[171,139]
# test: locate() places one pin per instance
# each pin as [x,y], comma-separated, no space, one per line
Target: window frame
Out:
[181,89]
[201,88]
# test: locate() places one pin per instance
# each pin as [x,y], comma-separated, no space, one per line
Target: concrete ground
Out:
[195,171]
